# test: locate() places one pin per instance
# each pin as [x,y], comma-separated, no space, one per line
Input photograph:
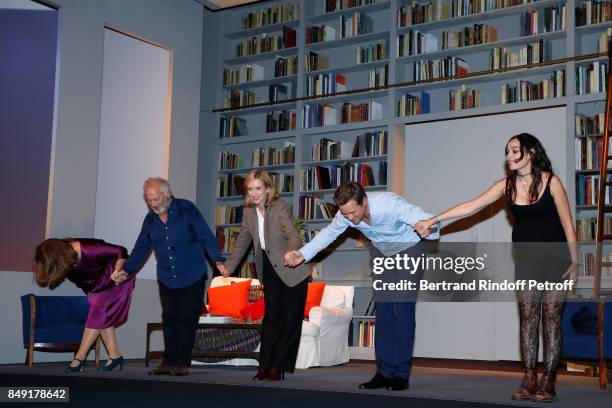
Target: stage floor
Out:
[451,385]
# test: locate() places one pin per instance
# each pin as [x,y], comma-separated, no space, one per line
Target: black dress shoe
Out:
[179,371]
[378,381]
[163,369]
[398,384]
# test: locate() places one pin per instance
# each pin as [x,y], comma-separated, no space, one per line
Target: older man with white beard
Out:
[177,232]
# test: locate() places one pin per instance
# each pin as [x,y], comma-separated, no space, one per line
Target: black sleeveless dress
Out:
[540,246]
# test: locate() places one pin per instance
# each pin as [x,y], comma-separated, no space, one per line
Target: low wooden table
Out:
[152,327]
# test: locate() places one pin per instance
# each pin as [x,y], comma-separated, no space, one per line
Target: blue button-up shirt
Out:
[179,245]
[391,227]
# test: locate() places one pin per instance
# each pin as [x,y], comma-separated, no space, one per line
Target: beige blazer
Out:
[280,235]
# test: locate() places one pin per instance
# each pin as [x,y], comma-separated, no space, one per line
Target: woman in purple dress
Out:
[89,264]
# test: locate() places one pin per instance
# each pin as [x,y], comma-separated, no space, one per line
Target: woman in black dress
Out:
[539,203]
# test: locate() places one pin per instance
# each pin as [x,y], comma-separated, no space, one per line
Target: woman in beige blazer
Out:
[268,223]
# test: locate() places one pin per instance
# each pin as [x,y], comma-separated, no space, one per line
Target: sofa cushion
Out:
[229,300]
[314,296]
[333,298]
[253,311]
[309,329]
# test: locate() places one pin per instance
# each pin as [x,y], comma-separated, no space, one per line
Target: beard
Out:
[163,207]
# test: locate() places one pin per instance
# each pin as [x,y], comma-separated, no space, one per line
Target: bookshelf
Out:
[540,63]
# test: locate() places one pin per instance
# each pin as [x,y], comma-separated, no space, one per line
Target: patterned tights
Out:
[549,304]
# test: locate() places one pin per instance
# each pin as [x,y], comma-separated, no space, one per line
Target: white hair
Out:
[164,185]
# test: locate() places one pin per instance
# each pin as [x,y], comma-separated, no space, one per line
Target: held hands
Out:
[118,276]
[293,258]
[423,227]
[222,269]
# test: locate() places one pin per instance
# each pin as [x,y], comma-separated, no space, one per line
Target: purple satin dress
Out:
[108,303]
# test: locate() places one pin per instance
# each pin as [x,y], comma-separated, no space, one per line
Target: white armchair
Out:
[324,340]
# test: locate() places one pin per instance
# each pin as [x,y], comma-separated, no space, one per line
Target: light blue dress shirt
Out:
[391,226]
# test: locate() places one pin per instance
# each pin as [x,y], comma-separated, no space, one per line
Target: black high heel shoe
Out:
[115,362]
[77,369]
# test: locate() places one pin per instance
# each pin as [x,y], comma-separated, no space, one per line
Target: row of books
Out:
[333,176]
[476,34]
[591,78]
[232,185]
[266,43]
[366,334]
[587,264]
[270,156]
[308,235]
[328,149]
[315,62]
[324,84]
[230,160]
[533,53]
[463,98]
[409,104]
[360,112]
[228,214]
[589,125]
[239,98]
[587,228]
[232,127]
[272,15]
[469,7]
[280,121]
[439,68]
[587,189]
[355,24]
[314,208]
[315,34]
[371,52]
[227,237]
[334,5]
[528,91]
[243,98]
[436,10]
[593,12]
[604,40]
[374,144]
[554,19]
[378,77]
[314,115]
[284,66]
[588,153]
[244,73]
[415,42]
[419,13]
[277,92]
[370,309]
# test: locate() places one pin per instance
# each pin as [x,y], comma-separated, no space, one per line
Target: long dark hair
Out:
[53,258]
[539,163]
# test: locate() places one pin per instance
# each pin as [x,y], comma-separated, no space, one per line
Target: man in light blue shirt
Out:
[388,220]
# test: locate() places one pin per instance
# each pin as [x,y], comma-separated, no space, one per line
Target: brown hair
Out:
[539,163]
[268,184]
[349,191]
[53,258]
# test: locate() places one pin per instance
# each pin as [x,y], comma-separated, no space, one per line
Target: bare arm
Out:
[469,207]
[565,215]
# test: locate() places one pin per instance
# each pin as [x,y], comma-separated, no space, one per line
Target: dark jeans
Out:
[180,315]
[282,323]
